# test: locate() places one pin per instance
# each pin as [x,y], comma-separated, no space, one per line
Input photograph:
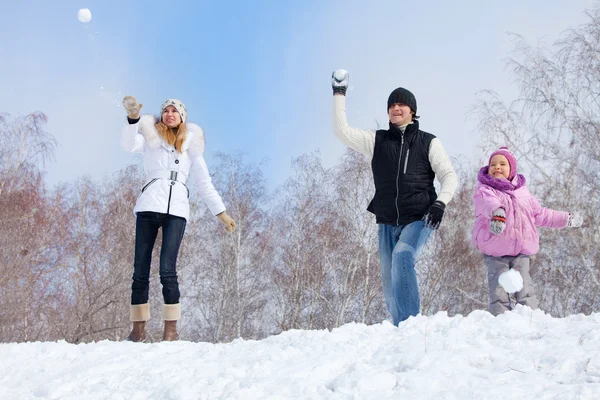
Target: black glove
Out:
[434,216]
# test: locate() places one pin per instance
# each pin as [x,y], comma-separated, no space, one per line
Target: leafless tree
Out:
[229,280]
[357,274]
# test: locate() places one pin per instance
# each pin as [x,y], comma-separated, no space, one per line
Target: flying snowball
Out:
[511,281]
[84,15]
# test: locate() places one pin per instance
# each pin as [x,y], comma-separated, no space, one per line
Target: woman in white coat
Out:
[172,151]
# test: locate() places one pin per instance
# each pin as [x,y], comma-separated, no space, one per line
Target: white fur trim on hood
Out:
[194,143]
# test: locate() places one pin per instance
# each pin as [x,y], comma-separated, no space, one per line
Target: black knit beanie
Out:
[403,96]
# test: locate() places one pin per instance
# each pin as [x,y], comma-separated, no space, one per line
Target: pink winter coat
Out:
[523,214]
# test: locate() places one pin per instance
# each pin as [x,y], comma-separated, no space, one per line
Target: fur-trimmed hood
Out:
[194,143]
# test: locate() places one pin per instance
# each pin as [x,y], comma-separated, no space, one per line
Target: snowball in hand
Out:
[511,281]
[340,74]
[84,15]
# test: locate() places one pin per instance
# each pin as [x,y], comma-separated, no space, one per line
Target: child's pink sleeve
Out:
[548,217]
[486,201]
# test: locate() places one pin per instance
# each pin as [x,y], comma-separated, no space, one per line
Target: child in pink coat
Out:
[505,231]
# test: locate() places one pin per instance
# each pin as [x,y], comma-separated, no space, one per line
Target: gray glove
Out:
[498,222]
[575,220]
[339,81]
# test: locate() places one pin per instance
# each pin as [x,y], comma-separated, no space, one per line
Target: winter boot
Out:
[139,314]
[171,314]
[138,332]
[170,334]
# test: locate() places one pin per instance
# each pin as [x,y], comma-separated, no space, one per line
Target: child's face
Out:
[499,167]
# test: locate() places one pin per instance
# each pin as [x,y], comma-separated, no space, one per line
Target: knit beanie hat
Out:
[403,96]
[512,161]
[178,106]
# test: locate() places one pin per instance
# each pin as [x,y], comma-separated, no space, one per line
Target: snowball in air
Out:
[511,281]
[84,15]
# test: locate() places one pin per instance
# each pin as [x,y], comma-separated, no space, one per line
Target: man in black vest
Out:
[405,160]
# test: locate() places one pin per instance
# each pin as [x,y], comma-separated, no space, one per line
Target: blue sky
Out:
[256,75]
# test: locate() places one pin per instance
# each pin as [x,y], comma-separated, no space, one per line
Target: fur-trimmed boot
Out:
[139,314]
[171,314]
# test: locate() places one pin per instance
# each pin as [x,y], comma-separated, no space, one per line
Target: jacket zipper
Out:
[148,184]
[406,160]
[169,202]
[397,180]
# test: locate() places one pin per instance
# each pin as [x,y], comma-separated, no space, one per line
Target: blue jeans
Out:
[146,229]
[399,249]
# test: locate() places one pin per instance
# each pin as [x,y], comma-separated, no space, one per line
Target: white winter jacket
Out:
[167,171]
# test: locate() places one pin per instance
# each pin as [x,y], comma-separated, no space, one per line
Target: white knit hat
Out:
[179,106]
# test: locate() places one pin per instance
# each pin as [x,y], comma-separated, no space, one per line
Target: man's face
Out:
[400,114]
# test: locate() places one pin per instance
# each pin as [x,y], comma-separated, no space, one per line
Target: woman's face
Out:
[499,167]
[170,117]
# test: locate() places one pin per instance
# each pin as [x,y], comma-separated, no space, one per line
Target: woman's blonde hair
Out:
[172,136]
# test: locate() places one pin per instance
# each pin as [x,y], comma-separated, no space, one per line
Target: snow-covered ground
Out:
[519,355]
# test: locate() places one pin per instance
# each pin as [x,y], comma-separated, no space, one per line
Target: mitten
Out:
[575,220]
[132,107]
[339,81]
[227,221]
[434,216]
[498,222]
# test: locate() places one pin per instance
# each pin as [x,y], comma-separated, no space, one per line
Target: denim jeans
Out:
[399,249]
[146,229]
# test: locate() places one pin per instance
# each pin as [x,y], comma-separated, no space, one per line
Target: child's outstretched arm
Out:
[548,217]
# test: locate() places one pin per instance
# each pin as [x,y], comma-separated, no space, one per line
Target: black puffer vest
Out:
[403,176]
